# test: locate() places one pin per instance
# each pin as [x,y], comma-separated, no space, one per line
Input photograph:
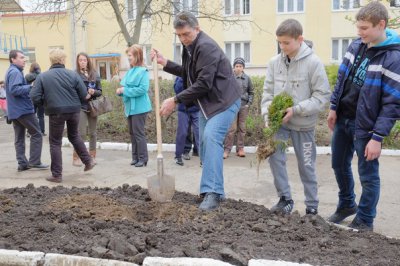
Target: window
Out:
[146,54]
[339,48]
[61,47]
[186,5]
[345,4]
[131,9]
[30,54]
[178,53]
[395,3]
[237,7]
[237,49]
[290,6]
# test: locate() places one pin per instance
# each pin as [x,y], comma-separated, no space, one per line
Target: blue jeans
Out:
[185,120]
[344,143]
[212,135]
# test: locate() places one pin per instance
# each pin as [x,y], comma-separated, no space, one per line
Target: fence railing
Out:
[12,42]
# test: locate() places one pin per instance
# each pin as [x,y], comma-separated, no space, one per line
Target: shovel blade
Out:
[161,189]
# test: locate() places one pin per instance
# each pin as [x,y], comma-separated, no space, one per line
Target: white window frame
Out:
[285,7]
[178,56]
[186,5]
[241,11]
[394,3]
[146,55]
[30,53]
[341,50]
[241,53]
[132,16]
[341,5]
[61,47]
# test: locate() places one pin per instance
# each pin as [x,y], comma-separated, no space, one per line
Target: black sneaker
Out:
[179,161]
[311,210]
[360,225]
[22,168]
[186,156]
[283,206]
[341,214]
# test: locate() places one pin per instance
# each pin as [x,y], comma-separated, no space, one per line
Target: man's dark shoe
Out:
[179,161]
[54,179]
[89,166]
[39,166]
[284,206]
[186,156]
[341,214]
[210,202]
[360,225]
[311,210]
[22,168]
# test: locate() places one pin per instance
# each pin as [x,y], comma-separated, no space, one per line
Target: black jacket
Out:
[208,78]
[94,84]
[60,90]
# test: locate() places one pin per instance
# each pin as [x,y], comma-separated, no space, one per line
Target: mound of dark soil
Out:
[124,224]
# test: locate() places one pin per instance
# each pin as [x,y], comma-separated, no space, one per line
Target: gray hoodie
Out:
[304,78]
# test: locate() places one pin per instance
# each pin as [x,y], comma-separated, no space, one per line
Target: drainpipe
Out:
[73,30]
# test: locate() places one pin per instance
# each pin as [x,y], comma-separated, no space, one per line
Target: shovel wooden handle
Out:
[157,109]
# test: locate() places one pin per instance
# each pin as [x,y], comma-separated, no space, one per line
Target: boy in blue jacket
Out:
[364,107]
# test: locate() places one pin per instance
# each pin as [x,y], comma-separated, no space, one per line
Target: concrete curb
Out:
[171,148]
[27,258]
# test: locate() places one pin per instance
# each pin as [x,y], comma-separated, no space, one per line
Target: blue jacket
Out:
[17,90]
[378,105]
[178,87]
[136,86]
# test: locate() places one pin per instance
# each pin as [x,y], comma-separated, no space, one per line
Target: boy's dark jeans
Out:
[344,144]
[56,129]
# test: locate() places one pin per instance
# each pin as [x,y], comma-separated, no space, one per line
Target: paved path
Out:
[241,181]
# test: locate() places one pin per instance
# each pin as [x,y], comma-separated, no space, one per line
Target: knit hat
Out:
[238,60]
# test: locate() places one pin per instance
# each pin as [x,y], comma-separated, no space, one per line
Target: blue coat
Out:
[178,87]
[378,105]
[17,90]
[136,86]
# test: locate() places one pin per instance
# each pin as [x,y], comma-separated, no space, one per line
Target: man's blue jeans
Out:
[212,135]
[344,143]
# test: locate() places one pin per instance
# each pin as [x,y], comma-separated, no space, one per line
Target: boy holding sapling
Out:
[300,73]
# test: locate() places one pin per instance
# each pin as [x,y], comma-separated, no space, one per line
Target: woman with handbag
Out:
[134,91]
[87,123]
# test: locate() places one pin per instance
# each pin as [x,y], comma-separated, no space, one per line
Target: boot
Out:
[76,161]
[241,153]
[226,154]
[93,155]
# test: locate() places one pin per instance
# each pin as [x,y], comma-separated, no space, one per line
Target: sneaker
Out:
[284,206]
[311,210]
[210,202]
[341,214]
[179,161]
[89,166]
[186,156]
[39,166]
[360,225]
[22,168]
[54,179]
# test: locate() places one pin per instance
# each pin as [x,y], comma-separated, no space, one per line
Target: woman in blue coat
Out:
[134,91]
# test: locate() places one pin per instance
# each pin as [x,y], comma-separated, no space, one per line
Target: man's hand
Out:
[372,150]
[120,91]
[331,119]
[167,107]
[88,96]
[160,58]
[288,115]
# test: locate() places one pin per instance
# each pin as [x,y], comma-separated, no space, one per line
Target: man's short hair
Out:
[289,27]
[185,18]
[13,54]
[57,56]
[373,12]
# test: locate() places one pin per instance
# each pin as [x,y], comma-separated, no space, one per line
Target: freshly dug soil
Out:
[124,224]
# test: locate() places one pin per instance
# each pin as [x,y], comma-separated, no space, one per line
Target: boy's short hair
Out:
[57,56]
[289,27]
[373,12]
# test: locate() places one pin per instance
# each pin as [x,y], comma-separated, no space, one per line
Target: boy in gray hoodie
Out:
[300,73]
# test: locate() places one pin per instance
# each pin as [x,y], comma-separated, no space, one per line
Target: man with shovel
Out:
[208,83]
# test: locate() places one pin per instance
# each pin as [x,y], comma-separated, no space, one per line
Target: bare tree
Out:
[130,17]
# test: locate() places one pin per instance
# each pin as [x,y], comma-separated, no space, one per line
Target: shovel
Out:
[161,187]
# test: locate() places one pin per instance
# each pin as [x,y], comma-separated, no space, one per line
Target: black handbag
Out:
[99,106]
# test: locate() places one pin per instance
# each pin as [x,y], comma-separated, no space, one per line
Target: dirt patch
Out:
[124,224]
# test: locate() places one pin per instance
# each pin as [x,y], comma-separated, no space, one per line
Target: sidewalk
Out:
[241,181]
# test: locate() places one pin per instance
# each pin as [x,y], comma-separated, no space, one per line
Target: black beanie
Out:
[238,60]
